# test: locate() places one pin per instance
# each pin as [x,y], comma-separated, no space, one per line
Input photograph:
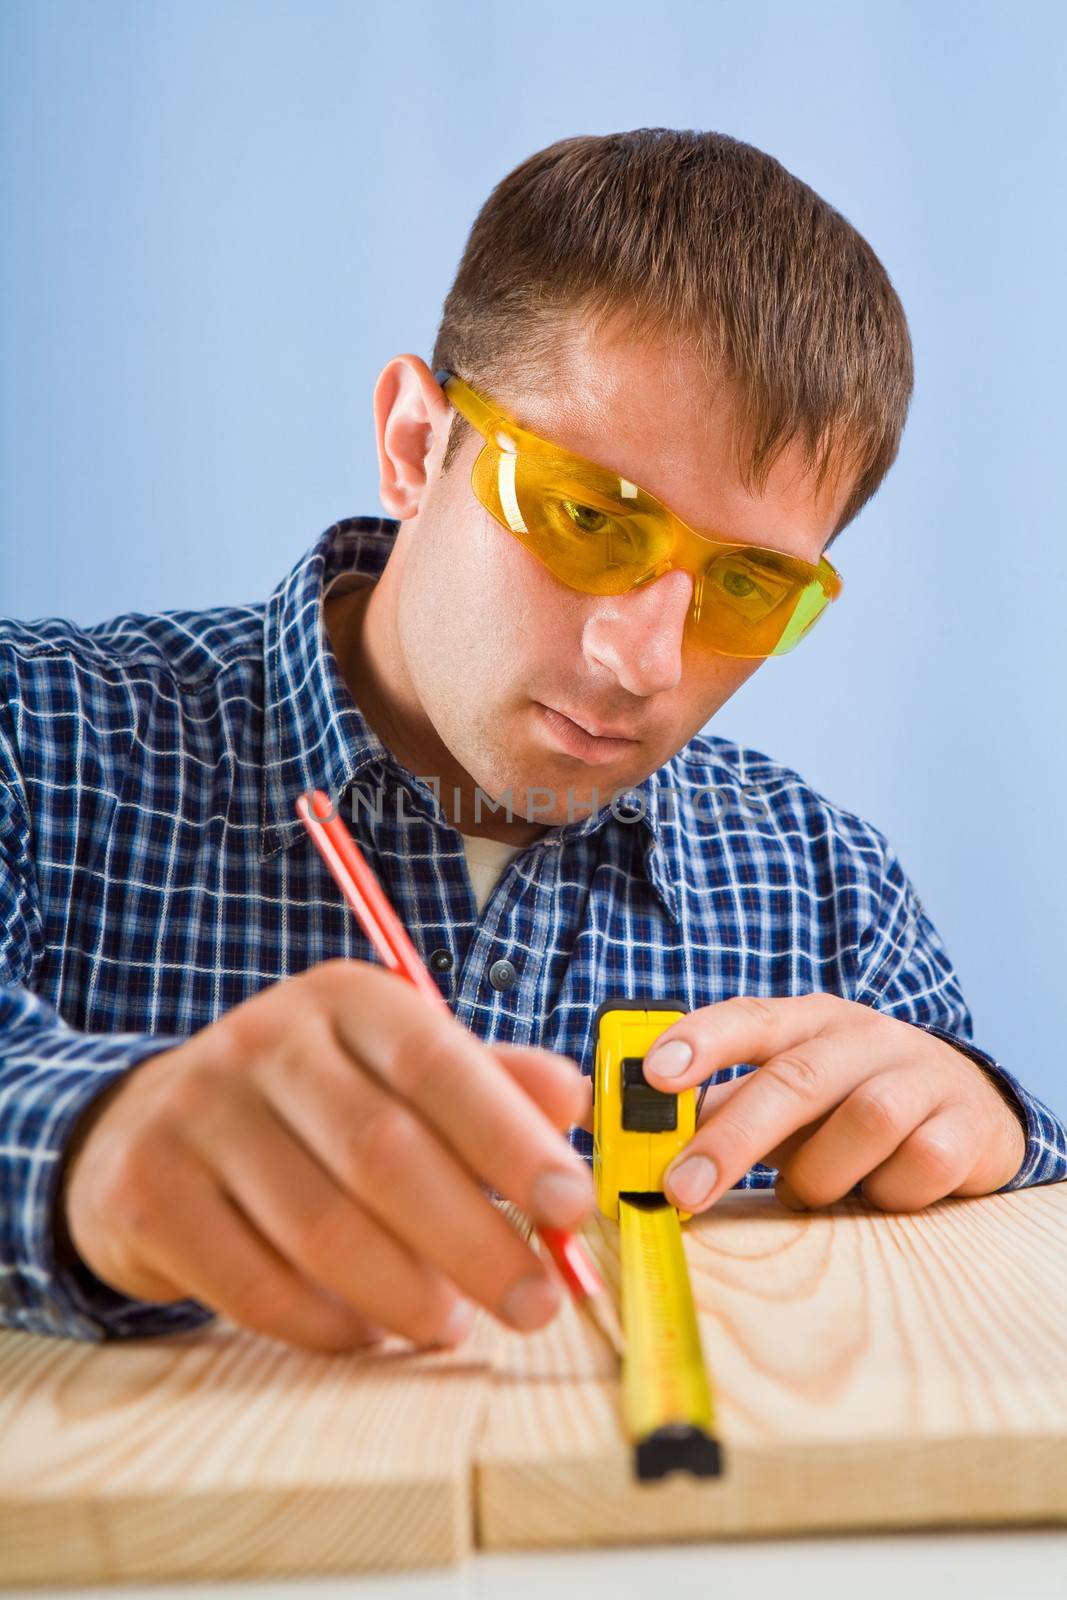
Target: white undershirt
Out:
[486,860]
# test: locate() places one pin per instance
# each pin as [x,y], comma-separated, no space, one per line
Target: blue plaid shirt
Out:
[153,875]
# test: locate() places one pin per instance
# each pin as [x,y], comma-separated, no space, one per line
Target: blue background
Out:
[221,220]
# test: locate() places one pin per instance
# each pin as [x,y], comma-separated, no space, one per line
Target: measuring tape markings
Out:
[637,1131]
[667,1401]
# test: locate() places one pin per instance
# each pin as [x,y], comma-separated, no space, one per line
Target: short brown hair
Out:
[696,237]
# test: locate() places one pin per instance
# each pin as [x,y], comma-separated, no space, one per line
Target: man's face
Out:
[476,638]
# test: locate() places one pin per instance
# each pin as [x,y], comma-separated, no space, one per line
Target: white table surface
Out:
[1024,1564]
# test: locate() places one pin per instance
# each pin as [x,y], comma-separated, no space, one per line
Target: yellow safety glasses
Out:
[601,534]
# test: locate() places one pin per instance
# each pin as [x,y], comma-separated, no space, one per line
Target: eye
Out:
[585,524]
[592,535]
[586,518]
[753,593]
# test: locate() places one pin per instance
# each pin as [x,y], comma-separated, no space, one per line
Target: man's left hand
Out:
[841,1093]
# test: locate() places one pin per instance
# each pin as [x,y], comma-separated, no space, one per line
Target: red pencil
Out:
[383,928]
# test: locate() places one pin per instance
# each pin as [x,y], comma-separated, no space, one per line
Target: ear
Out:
[411,419]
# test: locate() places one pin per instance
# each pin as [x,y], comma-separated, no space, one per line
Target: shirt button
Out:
[441,961]
[502,975]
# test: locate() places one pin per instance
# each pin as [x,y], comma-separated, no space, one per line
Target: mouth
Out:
[578,740]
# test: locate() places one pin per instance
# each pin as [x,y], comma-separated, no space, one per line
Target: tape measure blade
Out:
[667,1400]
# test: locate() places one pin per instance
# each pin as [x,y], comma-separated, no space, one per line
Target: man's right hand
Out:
[310,1166]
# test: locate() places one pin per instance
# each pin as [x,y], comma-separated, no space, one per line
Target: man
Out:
[666,377]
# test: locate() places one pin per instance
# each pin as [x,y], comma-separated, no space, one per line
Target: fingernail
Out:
[671,1058]
[530,1304]
[561,1198]
[692,1180]
[458,1323]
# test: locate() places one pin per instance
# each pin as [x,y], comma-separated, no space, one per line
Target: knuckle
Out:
[934,1154]
[188,1095]
[324,1238]
[310,1049]
[332,982]
[239,1034]
[420,1055]
[752,1007]
[384,1144]
[875,1111]
[328,978]
[732,1133]
[315,991]
[796,1073]
[289,1068]
[196,1101]
[125,1186]
[266,1302]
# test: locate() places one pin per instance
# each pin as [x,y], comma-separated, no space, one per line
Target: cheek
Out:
[741,671]
[475,617]
[522,604]
[721,676]
[711,681]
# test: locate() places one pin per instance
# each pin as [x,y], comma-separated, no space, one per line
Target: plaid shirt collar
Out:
[316,737]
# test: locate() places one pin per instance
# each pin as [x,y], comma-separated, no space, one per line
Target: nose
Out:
[638,636]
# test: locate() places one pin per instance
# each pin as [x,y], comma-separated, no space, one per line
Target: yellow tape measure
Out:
[637,1132]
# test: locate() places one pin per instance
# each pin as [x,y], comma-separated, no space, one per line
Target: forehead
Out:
[652,414]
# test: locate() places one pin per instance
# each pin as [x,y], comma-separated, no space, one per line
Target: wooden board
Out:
[222,1454]
[870,1370]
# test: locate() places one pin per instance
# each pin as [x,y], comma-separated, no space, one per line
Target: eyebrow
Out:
[629,490]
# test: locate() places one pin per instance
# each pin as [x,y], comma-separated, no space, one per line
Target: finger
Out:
[322,1233]
[773,1102]
[239,1274]
[858,1136]
[555,1082]
[934,1159]
[742,1029]
[718,1093]
[396,1168]
[425,1057]
[584,1119]
[784,1194]
[712,1095]
[784,1150]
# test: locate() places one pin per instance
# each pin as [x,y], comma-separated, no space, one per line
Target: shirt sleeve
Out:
[49,1075]
[908,974]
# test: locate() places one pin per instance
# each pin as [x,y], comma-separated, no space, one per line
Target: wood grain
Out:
[871,1370]
[222,1454]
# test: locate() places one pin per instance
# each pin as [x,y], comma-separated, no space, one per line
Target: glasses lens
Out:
[573,520]
[755,603]
[599,534]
